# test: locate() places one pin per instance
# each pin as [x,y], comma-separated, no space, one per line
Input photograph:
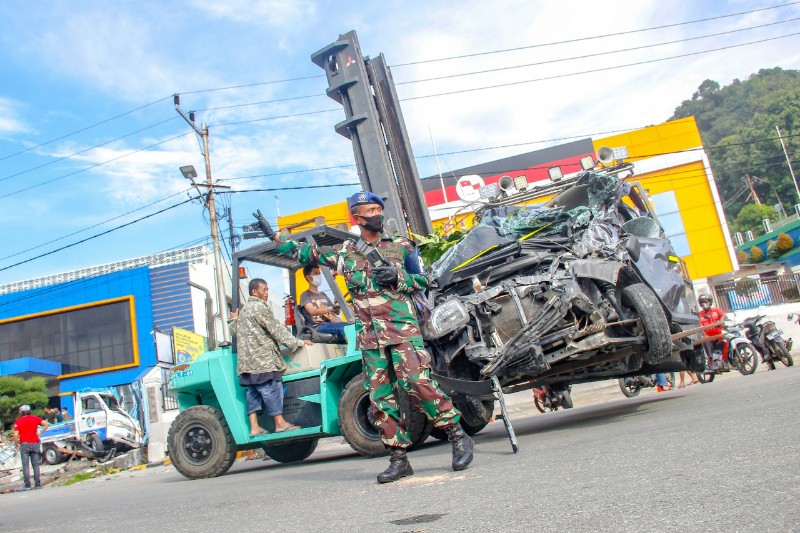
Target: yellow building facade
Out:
[670,163]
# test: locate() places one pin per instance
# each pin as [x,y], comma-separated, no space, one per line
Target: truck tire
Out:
[355,420]
[644,304]
[291,452]
[200,443]
[95,443]
[51,455]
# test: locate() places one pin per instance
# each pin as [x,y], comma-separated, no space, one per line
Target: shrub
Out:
[742,257]
[784,243]
[756,255]
[772,249]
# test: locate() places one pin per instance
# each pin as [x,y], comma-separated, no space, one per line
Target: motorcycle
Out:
[734,350]
[550,398]
[767,339]
[632,386]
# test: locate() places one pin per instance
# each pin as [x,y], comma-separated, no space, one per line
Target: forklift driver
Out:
[317,308]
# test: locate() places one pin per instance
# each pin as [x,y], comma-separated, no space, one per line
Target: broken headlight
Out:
[446,318]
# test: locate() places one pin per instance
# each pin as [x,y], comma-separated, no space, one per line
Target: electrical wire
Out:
[81,130]
[57,178]
[595,70]
[51,252]
[596,54]
[87,149]
[95,225]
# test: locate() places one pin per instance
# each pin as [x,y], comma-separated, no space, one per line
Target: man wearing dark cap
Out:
[26,438]
[387,331]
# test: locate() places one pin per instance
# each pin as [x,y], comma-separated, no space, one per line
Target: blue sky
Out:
[68,66]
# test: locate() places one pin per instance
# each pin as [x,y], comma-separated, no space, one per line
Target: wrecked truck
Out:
[583,287]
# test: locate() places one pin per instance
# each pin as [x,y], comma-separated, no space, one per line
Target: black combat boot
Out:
[398,467]
[462,446]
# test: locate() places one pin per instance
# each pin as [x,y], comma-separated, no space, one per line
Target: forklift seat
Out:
[306,331]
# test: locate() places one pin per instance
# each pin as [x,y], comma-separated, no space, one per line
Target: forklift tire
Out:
[51,455]
[355,420]
[291,452]
[200,443]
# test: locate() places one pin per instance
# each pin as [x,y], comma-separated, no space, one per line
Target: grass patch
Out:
[77,478]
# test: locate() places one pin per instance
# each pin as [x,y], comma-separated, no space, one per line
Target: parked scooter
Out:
[766,337]
[734,350]
[551,397]
[632,386]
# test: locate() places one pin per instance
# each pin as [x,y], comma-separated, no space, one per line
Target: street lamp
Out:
[189,172]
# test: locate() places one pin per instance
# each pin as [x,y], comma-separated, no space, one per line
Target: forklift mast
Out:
[375,126]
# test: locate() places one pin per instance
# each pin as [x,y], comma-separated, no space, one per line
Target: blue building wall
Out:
[791,258]
[162,299]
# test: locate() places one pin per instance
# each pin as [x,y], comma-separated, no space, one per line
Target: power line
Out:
[94,225]
[597,54]
[579,39]
[104,121]
[298,188]
[173,206]
[18,191]
[601,69]
[87,149]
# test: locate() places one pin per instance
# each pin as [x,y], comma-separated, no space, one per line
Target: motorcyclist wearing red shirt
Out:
[710,315]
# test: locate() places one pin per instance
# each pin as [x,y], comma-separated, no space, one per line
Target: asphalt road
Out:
[716,457]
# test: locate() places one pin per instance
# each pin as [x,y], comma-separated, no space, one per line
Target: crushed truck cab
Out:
[325,393]
[100,427]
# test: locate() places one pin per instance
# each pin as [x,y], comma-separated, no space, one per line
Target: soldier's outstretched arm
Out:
[305,253]
[266,319]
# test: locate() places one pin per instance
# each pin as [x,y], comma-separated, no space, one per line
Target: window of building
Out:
[82,340]
[669,215]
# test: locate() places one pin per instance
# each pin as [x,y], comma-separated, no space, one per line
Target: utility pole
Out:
[788,162]
[212,215]
[753,193]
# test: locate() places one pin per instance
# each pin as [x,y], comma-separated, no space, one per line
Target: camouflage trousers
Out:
[408,366]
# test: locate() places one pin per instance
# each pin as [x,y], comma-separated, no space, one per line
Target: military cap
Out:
[364,198]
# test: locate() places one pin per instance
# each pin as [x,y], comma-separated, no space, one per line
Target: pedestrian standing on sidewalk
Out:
[26,438]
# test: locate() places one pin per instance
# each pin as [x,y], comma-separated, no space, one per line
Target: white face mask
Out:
[316,280]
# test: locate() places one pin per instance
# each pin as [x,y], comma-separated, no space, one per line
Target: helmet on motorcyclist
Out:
[705,301]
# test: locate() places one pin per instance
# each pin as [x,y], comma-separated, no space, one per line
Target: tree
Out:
[751,215]
[16,391]
[739,121]
[756,255]
[784,243]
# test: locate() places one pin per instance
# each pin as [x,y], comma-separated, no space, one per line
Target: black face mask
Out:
[373,223]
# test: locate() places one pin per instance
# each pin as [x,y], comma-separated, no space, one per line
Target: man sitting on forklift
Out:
[318,310]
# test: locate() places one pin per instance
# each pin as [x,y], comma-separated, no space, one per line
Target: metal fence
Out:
[169,401]
[750,293]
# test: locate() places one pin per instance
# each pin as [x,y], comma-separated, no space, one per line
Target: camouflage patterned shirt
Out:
[258,336]
[384,315]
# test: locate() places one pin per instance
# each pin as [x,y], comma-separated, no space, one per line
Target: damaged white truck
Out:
[100,428]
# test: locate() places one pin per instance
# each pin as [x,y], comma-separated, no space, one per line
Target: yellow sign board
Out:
[187,345]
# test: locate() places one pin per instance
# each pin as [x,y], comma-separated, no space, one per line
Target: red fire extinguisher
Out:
[289,310]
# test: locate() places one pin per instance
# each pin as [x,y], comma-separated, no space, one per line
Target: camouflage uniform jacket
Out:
[258,334]
[384,315]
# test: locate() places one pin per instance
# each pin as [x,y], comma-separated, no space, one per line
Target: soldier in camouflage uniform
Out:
[260,363]
[387,331]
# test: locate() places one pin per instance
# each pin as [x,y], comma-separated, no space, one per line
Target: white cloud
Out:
[273,13]
[10,122]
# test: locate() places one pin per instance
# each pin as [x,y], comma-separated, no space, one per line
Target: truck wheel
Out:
[355,420]
[51,455]
[642,303]
[200,443]
[95,443]
[291,452]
